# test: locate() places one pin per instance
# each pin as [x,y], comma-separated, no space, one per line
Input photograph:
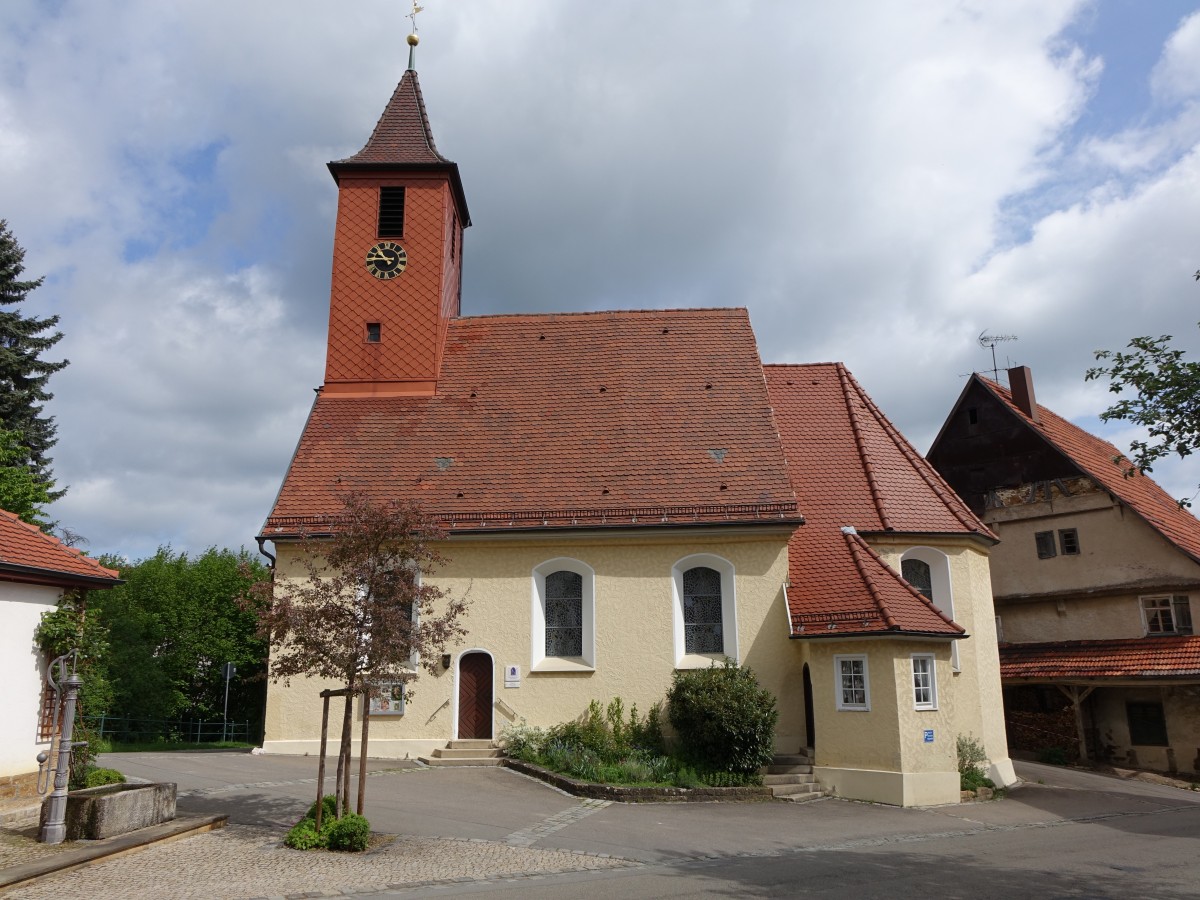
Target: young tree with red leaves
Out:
[363,615]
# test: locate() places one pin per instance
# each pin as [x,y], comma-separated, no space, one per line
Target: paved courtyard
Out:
[456,832]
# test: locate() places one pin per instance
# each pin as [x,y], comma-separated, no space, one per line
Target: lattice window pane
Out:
[564,614]
[703,630]
[916,572]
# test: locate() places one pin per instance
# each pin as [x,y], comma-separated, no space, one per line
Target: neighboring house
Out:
[35,571]
[1094,581]
[620,495]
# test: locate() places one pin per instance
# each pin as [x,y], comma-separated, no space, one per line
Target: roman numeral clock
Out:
[386,260]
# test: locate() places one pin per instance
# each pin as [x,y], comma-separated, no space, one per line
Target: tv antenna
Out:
[989,342]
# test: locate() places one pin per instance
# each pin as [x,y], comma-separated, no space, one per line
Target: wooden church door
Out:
[475,696]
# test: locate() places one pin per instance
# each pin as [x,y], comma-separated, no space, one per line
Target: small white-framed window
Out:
[387,699]
[1167,614]
[924,673]
[852,683]
[563,616]
[928,570]
[704,611]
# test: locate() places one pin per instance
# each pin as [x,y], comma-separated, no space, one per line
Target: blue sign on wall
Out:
[929,735]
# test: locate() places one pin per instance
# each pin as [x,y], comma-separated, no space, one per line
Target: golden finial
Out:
[413,40]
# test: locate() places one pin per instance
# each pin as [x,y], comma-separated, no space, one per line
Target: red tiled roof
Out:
[402,135]
[1096,457]
[27,554]
[614,418]
[851,468]
[1149,657]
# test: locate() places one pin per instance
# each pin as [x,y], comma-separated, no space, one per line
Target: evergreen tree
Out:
[23,374]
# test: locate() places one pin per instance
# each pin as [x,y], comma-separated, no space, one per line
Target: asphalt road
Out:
[1074,835]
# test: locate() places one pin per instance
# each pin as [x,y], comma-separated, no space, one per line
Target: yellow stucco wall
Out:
[634,644]
[1075,618]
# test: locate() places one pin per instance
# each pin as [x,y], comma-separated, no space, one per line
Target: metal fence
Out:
[133,730]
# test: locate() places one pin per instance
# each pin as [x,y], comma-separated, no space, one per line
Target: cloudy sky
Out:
[878,182]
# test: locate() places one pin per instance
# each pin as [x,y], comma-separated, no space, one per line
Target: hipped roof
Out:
[1148,657]
[854,472]
[29,555]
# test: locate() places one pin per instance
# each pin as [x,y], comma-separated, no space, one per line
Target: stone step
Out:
[787,770]
[460,761]
[802,798]
[791,790]
[472,745]
[465,753]
[798,778]
[791,759]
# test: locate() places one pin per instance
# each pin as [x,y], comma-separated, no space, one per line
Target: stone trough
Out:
[102,812]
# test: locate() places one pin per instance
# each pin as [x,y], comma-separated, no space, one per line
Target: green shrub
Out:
[304,835]
[523,741]
[350,833]
[724,720]
[973,780]
[971,757]
[1054,756]
[97,777]
[328,809]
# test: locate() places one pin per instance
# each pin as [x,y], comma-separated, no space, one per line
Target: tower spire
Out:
[413,40]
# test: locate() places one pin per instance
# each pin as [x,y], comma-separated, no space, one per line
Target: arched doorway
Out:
[810,720]
[475,696]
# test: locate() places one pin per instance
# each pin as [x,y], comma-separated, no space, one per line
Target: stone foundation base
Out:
[19,787]
[894,788]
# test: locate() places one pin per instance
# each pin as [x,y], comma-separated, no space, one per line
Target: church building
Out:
[630,493]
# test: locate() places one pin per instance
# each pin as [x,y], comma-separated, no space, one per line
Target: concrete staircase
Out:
[464,753]
[790,777]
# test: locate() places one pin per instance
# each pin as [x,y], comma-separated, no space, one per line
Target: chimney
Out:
[1020,383]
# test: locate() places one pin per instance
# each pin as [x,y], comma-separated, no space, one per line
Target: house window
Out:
[702,628]
[564,614]
[924,682]
[917,573]
[374,332]
[1045,544]
[1167,615]
[705,612]
[391,212]
[1068,541]
[562,623]
[853,686]
[387,699]
[1147,724]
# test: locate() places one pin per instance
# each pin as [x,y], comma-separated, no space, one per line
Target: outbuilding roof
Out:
[27,554]
[656,417]
[853,473]
[1102,462]
[1148,657]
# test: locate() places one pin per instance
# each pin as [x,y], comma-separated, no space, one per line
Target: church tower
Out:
[397,256]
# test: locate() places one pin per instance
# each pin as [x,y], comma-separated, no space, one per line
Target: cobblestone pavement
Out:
[19,846]
[243,861]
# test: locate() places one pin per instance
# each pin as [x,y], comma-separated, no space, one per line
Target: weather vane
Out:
[413,40]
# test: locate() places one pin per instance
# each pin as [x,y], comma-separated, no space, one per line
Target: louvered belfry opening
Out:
[391,212]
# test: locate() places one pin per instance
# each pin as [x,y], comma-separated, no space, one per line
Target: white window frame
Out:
[538,660]
[838,675]
[942,585]
[729,630]
[1173,602]
[932,702]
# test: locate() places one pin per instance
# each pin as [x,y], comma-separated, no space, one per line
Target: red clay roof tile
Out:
[1097,458]
[24,547]
[1161,657]
[612,418]
[851,468]
[402,135]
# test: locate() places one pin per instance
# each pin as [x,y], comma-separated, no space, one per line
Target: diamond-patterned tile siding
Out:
[649,417]
[1120,658]
[1096,458]
[407,307]
[24,545]
[851,468]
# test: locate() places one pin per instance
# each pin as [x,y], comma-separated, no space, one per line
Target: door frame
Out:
[457,693]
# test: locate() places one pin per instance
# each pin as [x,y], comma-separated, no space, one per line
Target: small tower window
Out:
[373,332]
[391,212]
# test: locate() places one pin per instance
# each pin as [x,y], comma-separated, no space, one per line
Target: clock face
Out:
[386,259]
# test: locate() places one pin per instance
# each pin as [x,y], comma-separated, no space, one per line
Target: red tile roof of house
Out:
[588,419]
[1149,657]
[854,472]
[1096,458]
[29,555]
[402,135]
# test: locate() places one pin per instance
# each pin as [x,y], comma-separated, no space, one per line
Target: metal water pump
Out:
[54,829]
